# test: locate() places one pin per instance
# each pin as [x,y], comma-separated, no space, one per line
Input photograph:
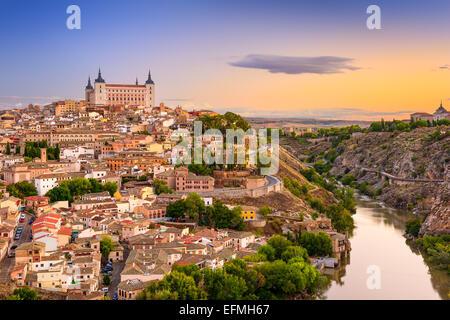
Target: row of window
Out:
[125,98]
[123,90]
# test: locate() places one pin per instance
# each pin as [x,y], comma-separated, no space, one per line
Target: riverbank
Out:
[379,248]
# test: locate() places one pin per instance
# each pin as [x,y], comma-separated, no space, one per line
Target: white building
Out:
[48,181]
[74,153]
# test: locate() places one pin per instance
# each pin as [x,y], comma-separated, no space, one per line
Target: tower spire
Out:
[149,79]
[89,85]
[137,81]
[99,79]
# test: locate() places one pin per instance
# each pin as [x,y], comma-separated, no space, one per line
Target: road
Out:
[117,269]
[272,180]
[7,263]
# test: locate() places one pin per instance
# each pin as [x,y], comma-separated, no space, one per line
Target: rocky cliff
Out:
[423,153]
[438,221]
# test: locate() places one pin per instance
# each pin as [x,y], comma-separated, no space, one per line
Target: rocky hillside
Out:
[438,221]
[423,153]
[284,201]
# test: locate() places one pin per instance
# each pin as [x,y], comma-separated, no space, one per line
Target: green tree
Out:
[194,205]
[106,246]
[341,219]
[225,218]
[200,169]
[161,186]
[24,293]
[191,270]
[316,243]
[174,286]
[77,186]
[111,187]
[376,127]
[223,286]
[413,226]
[280,244]
[22,189]
[8,148]
[292,252]
[59,194]
[267,252]
[106,280]
[285,279]
[264,211]
[177,209]
[96,186]
[348,179]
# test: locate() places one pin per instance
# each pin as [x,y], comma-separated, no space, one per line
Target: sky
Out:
[309,59]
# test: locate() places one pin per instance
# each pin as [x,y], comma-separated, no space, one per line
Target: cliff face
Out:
[438,221]
[423,153]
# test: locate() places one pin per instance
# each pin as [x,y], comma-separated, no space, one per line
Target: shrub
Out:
[413,226]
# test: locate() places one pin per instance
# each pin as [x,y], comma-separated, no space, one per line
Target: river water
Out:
[381,256]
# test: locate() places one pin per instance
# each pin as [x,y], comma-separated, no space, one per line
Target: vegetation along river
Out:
[378,247]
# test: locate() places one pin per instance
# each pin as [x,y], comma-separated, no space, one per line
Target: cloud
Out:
[296,65]
[445,67]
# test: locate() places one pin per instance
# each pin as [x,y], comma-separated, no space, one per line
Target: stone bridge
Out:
[394,178]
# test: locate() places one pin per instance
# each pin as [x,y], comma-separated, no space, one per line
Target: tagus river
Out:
[378,244]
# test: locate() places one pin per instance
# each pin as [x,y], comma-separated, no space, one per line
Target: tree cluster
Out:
[33,150]
[22,189]
[283,273]
[229,120]
[160,186]
[68,189]
[218,215]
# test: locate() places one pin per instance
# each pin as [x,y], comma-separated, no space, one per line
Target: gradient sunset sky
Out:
[313,59]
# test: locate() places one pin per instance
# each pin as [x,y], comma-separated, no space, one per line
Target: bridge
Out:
[394,178]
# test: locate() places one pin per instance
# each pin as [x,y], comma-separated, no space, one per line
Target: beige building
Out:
[68,107]
[180,179]
[105,94]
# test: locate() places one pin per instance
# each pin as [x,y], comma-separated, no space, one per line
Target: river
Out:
[378,243]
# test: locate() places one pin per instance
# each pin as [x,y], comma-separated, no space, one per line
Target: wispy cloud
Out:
[444,67]
[296,65]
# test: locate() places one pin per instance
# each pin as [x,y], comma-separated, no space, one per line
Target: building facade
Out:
[106,94]
[180,179]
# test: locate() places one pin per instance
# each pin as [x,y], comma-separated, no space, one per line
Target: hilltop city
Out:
[97,201]
[94,203]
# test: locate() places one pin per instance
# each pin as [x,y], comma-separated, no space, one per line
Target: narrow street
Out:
[117,269]
[7,263]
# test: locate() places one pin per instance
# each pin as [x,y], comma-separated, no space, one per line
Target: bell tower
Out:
[43,154]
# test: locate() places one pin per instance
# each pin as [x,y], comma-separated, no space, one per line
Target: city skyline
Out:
[298,59]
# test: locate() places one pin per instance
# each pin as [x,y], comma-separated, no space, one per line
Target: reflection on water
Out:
[378,241]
